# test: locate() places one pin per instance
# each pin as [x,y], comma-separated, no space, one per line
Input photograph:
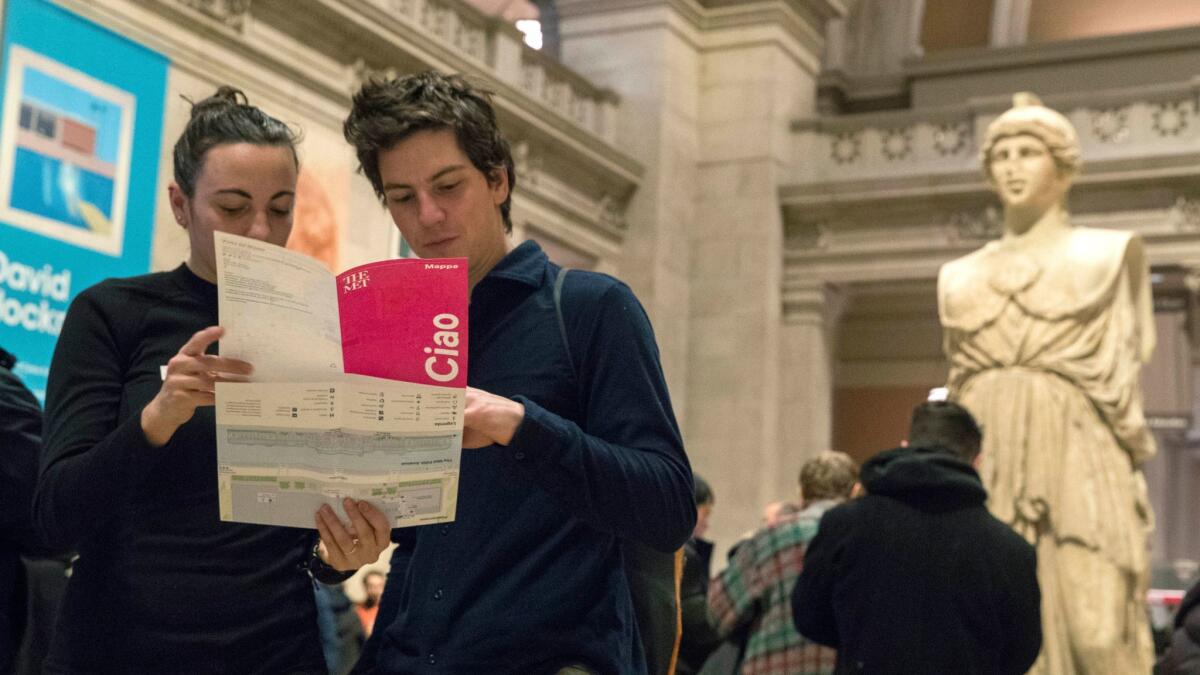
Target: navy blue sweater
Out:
[529,577]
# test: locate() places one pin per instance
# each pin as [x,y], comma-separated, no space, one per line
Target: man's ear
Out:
[497,180]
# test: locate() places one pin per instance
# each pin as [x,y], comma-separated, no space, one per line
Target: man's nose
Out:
[428,210]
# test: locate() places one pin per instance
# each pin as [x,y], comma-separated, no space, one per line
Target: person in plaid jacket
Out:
[755,590]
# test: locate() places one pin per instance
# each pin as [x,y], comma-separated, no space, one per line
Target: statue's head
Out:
[1029,117]
[1025,135]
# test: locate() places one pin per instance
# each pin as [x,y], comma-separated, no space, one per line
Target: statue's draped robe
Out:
[1045,347]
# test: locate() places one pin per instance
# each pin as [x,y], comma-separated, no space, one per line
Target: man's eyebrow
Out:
[449,169]
[439,174]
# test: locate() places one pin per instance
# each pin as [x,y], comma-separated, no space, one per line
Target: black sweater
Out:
[20,438]
[161,584]
[1183,655]
[917,578]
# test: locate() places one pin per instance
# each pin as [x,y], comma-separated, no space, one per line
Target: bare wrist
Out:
[511,417]
[156,430]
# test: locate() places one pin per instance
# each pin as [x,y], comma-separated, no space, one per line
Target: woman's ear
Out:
[179,204]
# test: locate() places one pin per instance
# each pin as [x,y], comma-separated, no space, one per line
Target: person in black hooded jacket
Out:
[20,438]
[1183,655]
[917,577]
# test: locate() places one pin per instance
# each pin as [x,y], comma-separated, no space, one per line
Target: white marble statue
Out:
[1046,331]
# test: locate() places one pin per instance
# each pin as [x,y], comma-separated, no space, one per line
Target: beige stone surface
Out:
[707,98]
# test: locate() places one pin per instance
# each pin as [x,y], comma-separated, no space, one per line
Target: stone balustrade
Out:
[498,48]
[893,195]
[1156,124]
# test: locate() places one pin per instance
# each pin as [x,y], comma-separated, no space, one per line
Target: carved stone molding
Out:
[809,236]
[1170,430]
[526,163]
[1184,216]
[845,148]
[1111,125]
[813,303]
[611,213]
[1170,118]
[952,139]
[405,8]
[1192,282]
[980,225]
[232,13]
[360,72]
[311,55]
[1146,128]
[603,210]
[896,144]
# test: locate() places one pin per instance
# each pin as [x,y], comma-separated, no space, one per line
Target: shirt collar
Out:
[526,264]
[193,284]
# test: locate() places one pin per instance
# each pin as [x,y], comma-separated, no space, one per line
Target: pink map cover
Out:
[406,320]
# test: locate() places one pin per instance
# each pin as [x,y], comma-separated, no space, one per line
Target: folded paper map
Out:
[358,385]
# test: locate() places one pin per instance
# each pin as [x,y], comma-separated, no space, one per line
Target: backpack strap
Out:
[562,324]
[654,578]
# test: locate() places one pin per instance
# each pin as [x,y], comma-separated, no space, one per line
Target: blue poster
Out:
[80,135]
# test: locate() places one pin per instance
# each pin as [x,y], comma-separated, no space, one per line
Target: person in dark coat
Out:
[699,636]
[917,577]
[1183,655]
[20,439]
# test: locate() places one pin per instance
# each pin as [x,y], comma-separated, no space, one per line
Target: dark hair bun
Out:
[224,117]
[226,97]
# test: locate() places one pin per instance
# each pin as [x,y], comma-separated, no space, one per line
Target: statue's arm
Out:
[1138,273]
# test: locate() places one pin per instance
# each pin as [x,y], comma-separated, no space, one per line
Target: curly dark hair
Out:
[386,111]
[225,117]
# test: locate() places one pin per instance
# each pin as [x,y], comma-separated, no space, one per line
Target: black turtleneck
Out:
[161,584]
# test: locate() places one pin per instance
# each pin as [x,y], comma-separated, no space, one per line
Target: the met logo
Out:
[353,282]
[34,314]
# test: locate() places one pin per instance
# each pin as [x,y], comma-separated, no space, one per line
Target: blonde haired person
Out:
[754,591]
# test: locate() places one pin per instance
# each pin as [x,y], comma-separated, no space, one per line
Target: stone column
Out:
[645,51]
[708,93]
[879,35]
[1010,23]
[1167,388]
[865,54]
[811,314]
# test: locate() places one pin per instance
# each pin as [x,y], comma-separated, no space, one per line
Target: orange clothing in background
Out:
[367,616]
